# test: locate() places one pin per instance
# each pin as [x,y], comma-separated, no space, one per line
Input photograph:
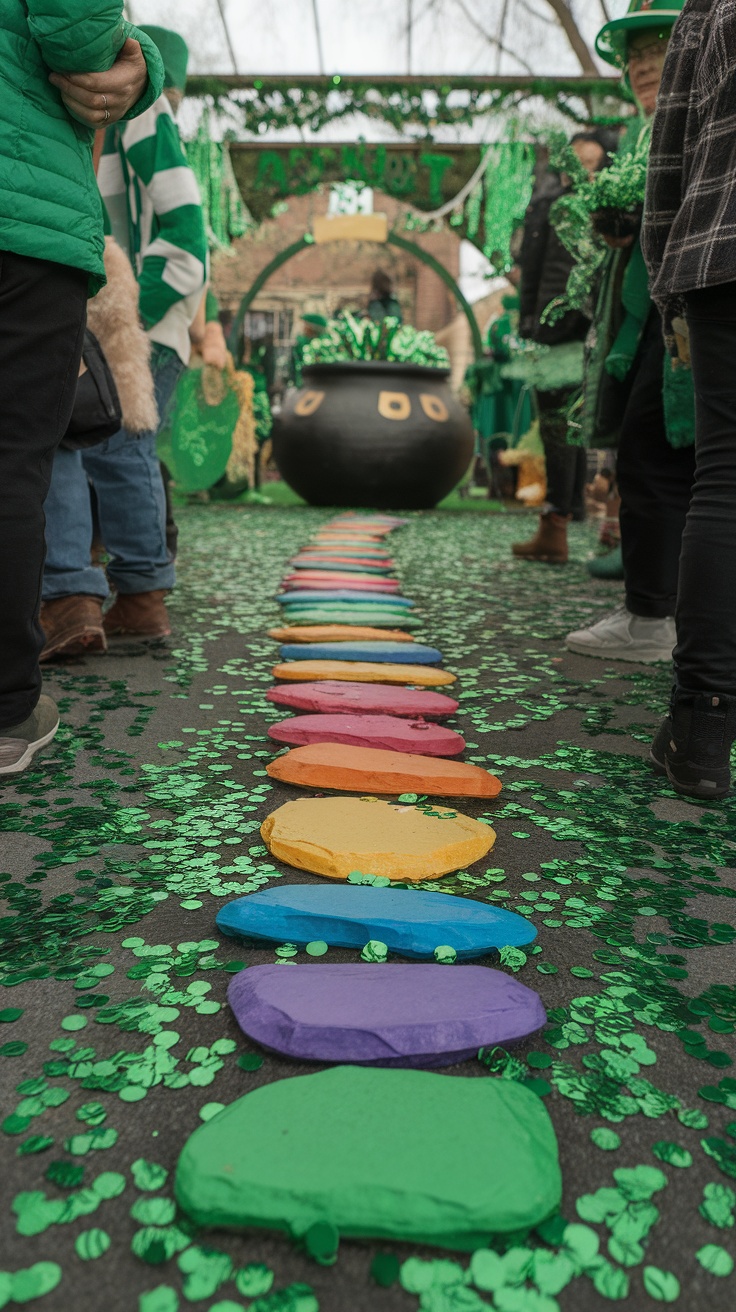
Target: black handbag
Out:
[97,414]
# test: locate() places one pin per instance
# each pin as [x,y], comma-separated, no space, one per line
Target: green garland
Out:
[614,193]
[285,104]
[348,338]
[226,217]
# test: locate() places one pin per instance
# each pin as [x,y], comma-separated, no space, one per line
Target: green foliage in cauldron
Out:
[348,338]
[608,204]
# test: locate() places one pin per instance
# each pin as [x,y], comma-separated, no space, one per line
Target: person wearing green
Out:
[501,407]
[632,394]
[68,68]
[314,325]
[155,213]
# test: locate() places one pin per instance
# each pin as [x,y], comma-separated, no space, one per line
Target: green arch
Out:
[394,240]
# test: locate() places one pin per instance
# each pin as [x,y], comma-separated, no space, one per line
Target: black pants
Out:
[655,481]
[42,313]
[566,465]
[705,655]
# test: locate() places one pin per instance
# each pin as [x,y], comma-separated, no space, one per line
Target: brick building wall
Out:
[325,279]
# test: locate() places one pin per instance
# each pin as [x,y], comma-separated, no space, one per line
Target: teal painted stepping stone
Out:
[410,923]
[344,613]
[345,594]
[408,653]
[379,1154]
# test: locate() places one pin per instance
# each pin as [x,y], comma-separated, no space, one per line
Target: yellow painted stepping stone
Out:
[338,633]
[334,836]
[374,770]
[421,676]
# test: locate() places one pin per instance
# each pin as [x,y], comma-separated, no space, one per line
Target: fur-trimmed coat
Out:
[113,318]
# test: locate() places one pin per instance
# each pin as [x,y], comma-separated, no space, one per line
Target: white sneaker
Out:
[622,636]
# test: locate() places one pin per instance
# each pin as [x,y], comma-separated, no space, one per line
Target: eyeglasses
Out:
[639,54]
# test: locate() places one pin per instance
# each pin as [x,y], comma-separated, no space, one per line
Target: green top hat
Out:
[173,50]
[316,320]
[642,15]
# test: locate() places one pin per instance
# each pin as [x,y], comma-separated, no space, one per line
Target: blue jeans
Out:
[125,474]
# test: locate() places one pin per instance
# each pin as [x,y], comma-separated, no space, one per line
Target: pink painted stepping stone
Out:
[387,731]
[330,696]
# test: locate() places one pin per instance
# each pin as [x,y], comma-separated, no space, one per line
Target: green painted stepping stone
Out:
[385,1154]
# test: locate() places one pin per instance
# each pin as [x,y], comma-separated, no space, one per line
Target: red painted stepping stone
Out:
[367,770]
[385,731]
[329,696]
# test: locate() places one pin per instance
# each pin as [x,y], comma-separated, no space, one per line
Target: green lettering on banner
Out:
[272,173]
[438,166]
[353,163]
[400,174]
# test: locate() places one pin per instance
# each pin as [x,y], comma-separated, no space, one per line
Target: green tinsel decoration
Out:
[224,212]
[348,338]
[610,202]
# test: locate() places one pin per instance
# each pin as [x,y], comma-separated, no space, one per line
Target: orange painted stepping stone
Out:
[422,676]
[338,633]
[335,835]
[371,770]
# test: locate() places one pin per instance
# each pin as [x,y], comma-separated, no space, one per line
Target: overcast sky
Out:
[369,36]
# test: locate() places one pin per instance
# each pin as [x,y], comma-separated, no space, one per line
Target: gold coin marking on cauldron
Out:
[308,403]
[394,405]
[434,407]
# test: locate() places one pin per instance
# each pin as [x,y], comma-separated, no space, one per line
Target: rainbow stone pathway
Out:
[117,852]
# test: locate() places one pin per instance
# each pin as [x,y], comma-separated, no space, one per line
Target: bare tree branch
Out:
[492,40]
[575,37]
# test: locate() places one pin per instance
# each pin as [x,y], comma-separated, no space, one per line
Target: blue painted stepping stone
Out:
[384,602]
[410,923]
[383,1015]
[411,653]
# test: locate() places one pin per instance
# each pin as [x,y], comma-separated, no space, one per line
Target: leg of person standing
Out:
[73,587]
[563,466]
[42,316]
[694,742]
[655,481]
[126,476]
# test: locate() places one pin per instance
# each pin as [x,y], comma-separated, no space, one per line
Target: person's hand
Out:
[101,98]
[214,346]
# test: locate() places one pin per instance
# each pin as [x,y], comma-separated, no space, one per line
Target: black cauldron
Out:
[373,433]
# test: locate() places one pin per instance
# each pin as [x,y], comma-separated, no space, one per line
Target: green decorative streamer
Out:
[225,214]
[614,192]
[348,338]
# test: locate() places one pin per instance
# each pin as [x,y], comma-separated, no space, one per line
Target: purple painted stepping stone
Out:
[383,1015]
[389,731]
[332,696]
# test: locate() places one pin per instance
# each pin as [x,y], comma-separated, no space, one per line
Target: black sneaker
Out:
[693,745]
[19,745]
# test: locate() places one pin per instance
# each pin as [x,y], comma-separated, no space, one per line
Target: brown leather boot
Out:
[72,626]
[549,542]
[142,614]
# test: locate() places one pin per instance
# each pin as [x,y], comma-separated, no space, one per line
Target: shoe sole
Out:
[649,656]
[77,644]
[658,766]
[19,766]
[543,560]
[698,792]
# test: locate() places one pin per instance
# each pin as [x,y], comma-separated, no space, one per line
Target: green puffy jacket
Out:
[49,202]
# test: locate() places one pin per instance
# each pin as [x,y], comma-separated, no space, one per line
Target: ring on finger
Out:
[107,115]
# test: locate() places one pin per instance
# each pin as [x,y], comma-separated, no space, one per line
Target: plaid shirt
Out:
[689,236]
